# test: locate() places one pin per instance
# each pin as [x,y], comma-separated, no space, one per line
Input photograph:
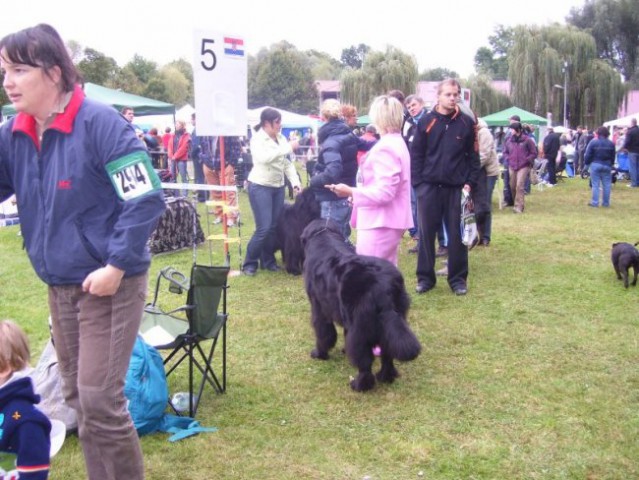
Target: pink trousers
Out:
[379,242]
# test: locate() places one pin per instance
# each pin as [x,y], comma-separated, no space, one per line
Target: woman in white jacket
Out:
[270,151]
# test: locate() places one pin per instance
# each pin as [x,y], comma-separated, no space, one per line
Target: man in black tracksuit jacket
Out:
[444,161]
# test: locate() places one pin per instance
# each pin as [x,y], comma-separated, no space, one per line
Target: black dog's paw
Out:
[316,354]
[364,381]
[387,375]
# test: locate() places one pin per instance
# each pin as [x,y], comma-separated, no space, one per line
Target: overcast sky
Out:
[445,33]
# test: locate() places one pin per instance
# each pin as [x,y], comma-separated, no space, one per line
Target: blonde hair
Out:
[331,109]
[387,114]
[14,347]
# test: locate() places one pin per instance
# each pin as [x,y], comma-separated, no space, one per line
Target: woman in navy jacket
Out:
[88,199]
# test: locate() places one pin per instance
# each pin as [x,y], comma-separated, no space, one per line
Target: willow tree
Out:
[542,59]
[485,99]
[381,72]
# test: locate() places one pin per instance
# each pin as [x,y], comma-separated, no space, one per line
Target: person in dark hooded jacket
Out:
[24,430]
[337,163]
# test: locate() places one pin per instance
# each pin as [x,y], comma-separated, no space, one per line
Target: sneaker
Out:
[230,223]
[441,252]
[217,221]
[459,291]
[249,271]
[414,249]
[422,287]
[517,210]
[442,272]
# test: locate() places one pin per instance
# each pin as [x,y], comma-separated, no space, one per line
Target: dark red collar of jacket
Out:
[63,122]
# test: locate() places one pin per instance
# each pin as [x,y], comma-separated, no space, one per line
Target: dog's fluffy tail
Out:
[399,340]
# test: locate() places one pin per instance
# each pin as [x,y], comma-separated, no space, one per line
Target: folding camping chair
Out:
[184,329]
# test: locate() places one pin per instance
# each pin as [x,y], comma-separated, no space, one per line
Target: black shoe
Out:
[423,287]
[459,291]
[441,252]
[249,272]
[414,249]
[485,242]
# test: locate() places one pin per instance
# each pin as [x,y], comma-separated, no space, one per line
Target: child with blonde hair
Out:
[24,430]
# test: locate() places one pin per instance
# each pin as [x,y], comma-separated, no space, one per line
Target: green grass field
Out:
[532,375]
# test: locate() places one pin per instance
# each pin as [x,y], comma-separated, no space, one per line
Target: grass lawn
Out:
[532,375]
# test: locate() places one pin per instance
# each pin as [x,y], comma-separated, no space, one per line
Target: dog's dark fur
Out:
[290,227]
[624,255]
[366,295]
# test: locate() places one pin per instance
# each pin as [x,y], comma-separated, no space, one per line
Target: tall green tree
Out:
[96,67]
[186,69]
[437,74]
[176,85]
[543,58]
[381,72]
[322,65]
[493,61]
[354,56]
[484,98]
[614,24]
[143,69]
[280,77]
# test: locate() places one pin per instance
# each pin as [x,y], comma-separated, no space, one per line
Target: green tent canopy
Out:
[117,99]
[502,119]
[363,120]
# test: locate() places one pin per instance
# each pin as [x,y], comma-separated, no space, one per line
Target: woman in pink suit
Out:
[381,200]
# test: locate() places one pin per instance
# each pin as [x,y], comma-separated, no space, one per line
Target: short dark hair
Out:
[41,47]
[448,81]
[603,132]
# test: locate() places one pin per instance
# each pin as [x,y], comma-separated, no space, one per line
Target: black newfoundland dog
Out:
[624,256]
[365,295]
[290,226]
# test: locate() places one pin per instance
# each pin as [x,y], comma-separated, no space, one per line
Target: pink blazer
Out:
[382,195]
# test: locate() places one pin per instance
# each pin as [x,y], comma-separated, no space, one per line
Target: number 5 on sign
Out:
[219,75]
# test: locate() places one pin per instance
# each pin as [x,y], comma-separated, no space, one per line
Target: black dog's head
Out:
[318,227]
[307,205]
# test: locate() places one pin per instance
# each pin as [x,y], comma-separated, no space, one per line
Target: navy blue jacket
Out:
[24,430]
[445,150]
[337,160]
[600,150]
[87,194]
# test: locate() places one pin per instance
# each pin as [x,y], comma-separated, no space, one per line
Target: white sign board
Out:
[219,76]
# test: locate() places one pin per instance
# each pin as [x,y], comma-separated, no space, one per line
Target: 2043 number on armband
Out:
[133,176]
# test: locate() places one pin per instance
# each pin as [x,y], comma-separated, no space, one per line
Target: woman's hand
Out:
[341,190]
[104,281]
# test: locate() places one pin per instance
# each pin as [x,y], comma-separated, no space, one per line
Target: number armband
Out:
[133,176]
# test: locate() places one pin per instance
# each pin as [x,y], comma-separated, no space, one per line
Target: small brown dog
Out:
[624,255]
